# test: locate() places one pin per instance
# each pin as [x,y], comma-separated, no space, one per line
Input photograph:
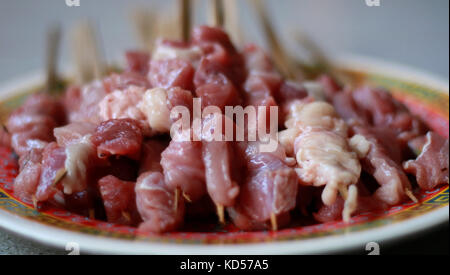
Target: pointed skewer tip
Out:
[35,201]
[221,213]
[273,221]
[410,195]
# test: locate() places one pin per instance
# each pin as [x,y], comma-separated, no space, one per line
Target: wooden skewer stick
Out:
[231,11]
[279,54]
[351,202]
[88,57]
[186,197]
[4,128]
[316,53]
[185,19]
[343,191]
[218,13]
[35,201]
[221,213]
[126,215]
[144,25]
[177,196]
[60,174]
[319,57]
[52,54]
[410,194]
[273,221]
[92,213]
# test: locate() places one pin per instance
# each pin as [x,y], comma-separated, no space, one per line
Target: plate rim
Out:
[58,238]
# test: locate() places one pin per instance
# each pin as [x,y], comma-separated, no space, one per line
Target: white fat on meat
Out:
[123,104]
[315,116]
[191,54]
[325,159]
[78,156]
[318,138]
[360,145]
[154,106]
[303,116]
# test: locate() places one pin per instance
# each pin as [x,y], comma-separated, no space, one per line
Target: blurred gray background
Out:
[410,32]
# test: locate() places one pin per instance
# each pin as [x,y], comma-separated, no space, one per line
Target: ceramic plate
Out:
[425,95]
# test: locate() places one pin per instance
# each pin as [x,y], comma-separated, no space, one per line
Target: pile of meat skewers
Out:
[103,149]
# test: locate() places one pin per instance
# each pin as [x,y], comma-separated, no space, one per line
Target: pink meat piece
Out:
[179,97]
[121,104]
[353,113]
[431,166]
[118,137]
[389,175]
[119,199]
[82,104]
[218,49]
[348,109]
[72,100]
[217,158]
[22,122]
[33,122]
[124,80]
[205,35]
[260,87]
[73,132]
[258,91]
[45,105]
[290,91]
[157,205]
[385,111]
[209,71]
[183,168]
[330,213]
[264,81]
[256,59]
[214,94]
[387,138]
[34,155]
[5,138]
[334,212]
[52,162]
[38,132]
[151,155]
[330,85]
[137,62]
[25,184]
[270,188]
[170,73]
[269,192]
[214,87]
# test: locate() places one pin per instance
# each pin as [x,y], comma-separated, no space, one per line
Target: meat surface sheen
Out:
[431,166]
[157,205]
[118,137]
[119,200]
[184,168]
